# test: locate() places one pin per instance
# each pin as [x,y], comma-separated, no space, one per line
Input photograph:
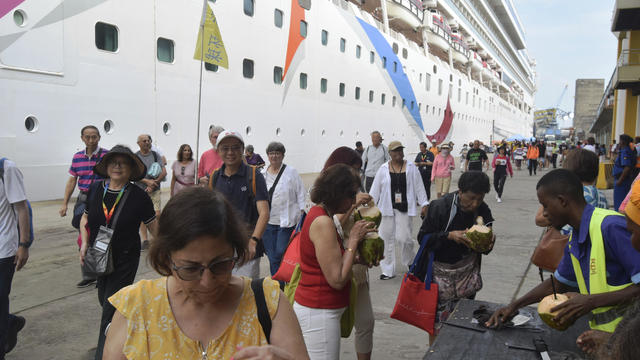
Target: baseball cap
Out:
[395,145]
[229,134]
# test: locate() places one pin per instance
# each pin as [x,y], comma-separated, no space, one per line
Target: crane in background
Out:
[546,121]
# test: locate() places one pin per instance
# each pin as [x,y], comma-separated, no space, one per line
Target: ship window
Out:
[450,78]
[370,96]
[210,67]
[323,86]
[459,82]
[420,77]
[393,101]
[302,132]
[325,37]
[166,128]
[277,18]
[405,54]
[427,80]
[439,86]
[305,4]
[412,105]
[247,68]
[303,28]
[419,106]
[439,110]
[372,57]
[165,50]
[249,6]
[450,90]
[466,98]
[384,62]
[343,44]
[19,17]
[248,131]
[31,124]
[395,66]
[324,132]
[395,48]
[459,94]
[108,126]
[435,69]
[404,102]
[341,89]
[277,75]
[433,110]
[426,109]
[383,98]
[358,51]
[303,81]
[278,131]
[106,37]
[357,93]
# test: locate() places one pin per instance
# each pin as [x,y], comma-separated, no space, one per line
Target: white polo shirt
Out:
[11,192]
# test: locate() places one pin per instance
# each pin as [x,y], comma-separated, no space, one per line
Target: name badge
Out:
[397,197]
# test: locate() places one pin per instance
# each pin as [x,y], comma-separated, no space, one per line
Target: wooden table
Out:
[456,342]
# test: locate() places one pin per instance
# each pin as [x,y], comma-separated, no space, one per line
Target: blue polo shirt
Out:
[236,190]
[627,157]
[622,260]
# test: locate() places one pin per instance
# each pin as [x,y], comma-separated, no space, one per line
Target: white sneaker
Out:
[499,200]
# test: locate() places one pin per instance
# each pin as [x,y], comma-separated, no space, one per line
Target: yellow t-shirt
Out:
[153,333]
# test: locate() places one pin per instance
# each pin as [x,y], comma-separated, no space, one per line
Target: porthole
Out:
[166,128]
[357,133]
[324,132]
[31,124]
[20,18]
[278,132]
[341,132]
[435,69]
[248,131]
[108,126]
[450,78]
[302,132]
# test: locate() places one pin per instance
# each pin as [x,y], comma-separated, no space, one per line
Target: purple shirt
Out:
[82,167]
[622,260]
[254,159]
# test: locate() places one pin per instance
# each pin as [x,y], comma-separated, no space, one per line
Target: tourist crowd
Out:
[230,208]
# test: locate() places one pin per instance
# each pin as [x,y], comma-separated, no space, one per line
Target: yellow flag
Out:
[214,51]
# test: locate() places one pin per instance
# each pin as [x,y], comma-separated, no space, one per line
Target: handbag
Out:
[98,260]
[417,300]
[549,252]
[291,256]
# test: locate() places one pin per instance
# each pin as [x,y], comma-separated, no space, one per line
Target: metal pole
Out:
[202,21]
[385,16]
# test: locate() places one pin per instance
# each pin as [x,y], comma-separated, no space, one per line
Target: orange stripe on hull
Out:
[295,39]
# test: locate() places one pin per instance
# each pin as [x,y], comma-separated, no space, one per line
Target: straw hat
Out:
[138,169]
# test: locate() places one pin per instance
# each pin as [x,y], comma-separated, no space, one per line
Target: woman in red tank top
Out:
[323,292]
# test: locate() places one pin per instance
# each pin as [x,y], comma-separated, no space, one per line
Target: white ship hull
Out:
[51,70]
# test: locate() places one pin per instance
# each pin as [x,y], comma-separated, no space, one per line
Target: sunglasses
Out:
[194,271]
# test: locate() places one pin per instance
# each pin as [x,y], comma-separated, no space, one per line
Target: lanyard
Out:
[109,214]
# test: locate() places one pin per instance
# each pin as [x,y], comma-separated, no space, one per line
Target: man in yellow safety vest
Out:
[599,259]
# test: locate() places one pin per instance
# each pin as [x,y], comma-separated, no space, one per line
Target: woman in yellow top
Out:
[198,310]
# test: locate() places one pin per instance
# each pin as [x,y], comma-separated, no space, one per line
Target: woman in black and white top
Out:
[120,167]
[287,201]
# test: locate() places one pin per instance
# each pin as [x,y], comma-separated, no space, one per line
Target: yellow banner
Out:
[214,51]
[544,116]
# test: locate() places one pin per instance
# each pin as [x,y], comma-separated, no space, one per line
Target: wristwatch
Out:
[256,239]
[24,245]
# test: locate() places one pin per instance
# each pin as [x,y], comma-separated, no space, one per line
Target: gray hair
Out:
[249,148]
[275,146]
[215,129]
[376,132]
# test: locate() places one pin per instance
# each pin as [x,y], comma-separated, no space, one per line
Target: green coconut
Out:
[371,248]
[369,213]
[544,311]
[480,236]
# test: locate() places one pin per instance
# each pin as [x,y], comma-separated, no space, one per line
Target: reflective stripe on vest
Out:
[603,318]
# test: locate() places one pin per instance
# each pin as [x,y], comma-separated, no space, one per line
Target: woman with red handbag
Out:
[456,267]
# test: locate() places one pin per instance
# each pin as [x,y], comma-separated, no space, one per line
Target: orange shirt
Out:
[532,152]
[434,150]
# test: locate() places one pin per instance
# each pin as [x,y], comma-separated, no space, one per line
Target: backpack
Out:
[28,204]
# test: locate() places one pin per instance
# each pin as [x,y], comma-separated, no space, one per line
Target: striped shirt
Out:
[82,167]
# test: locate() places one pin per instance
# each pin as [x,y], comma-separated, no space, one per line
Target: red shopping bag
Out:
[291,256]
[417,300]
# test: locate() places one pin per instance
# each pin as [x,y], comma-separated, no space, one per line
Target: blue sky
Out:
[569,39]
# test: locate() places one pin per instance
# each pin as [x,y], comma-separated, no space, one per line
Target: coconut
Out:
[480,236]
[371,248]
[544,310]
[369,213]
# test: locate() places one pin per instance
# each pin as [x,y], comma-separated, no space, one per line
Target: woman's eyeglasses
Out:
[194,272]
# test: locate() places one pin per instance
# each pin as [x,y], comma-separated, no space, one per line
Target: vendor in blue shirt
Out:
[616,265]
[623,170]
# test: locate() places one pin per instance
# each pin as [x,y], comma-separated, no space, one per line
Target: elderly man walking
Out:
[210,160]
[245,188]
[156,171]
[373,157]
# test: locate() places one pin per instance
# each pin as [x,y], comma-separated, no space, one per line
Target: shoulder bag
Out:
[549,252]
[98,260]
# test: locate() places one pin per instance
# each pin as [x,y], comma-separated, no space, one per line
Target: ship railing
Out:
[438,28]
[414,6]
[629,57]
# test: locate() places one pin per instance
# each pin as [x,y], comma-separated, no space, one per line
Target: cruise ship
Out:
[312,74]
